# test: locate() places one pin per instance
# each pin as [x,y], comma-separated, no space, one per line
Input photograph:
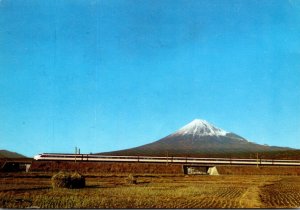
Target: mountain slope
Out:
[199,138]
[9,154]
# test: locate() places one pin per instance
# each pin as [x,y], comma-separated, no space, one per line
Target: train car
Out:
[154,159]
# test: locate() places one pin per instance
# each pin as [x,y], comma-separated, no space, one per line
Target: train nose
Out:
[37,157]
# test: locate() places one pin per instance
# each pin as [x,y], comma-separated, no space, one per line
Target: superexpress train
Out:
[152,159]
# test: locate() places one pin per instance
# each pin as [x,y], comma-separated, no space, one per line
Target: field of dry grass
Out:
[20,190]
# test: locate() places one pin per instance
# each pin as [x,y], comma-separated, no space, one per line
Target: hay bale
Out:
[77,180]
[131,179]
[67,180]
[61,180]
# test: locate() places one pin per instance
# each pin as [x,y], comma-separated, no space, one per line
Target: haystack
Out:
[67,180]
[77,180]
[131,179]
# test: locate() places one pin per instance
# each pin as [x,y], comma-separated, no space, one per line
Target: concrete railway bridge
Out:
[15,164]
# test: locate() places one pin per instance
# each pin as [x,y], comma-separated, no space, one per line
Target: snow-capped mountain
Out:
[200,128]
[199,138]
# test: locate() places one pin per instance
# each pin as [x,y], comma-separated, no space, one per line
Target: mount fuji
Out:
[200,138]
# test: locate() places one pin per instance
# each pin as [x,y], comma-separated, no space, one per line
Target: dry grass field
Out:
[22,190]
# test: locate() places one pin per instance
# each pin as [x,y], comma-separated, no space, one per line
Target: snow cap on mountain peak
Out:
[201,128]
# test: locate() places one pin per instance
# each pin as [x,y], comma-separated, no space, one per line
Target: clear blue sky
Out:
[113,74]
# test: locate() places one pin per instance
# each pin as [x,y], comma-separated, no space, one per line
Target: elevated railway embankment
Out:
[163,165]
[157,168]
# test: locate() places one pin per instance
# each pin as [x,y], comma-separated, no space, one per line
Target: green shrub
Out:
[67,180]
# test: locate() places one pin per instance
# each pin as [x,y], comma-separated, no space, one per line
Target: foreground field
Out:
[152,191]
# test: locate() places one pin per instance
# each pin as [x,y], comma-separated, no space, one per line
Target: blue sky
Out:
[113,74]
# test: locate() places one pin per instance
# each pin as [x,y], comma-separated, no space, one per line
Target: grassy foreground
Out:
[152,191]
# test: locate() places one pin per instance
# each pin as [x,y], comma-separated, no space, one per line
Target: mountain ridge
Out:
[199,138]
[9,154]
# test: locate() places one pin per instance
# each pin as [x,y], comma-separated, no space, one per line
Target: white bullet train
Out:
[150,159]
